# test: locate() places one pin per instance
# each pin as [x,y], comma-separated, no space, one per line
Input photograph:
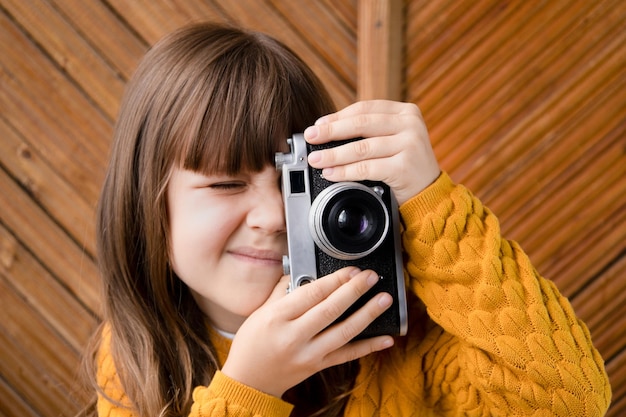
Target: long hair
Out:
[208,98]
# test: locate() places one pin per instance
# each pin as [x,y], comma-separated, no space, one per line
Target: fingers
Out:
[358,111]
[293,336]
[392,132]
[365,118]
[395,148]
[307,297]
[358,349]
[346,330]
[338,339]
[303,298]
[367,148]
[335,339]
[323,314]
[363,159]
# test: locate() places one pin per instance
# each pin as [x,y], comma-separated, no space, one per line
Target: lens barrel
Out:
[348,220]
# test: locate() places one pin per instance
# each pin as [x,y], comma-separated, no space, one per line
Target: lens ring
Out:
[348,220]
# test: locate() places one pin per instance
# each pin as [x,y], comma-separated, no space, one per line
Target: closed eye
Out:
[225,186]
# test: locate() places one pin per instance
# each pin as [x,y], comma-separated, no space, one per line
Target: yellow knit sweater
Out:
[497,339]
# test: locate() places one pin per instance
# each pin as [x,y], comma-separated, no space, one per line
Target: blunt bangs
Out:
[249,99]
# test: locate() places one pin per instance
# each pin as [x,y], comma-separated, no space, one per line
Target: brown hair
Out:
[207,98]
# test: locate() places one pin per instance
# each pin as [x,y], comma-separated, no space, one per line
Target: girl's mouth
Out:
[258,256]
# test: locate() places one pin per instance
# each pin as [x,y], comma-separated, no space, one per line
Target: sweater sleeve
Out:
[519,348]
[227,397]
[223,397]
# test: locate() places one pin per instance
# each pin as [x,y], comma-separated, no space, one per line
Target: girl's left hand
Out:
[395,147]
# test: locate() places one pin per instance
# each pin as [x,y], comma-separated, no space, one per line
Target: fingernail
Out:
[372,279]
[354,271]
[385,300]
[311,132]
[327,172]
[314,157]
[387,343]
[320,121]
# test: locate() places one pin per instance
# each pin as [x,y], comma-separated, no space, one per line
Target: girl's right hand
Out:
[290,337]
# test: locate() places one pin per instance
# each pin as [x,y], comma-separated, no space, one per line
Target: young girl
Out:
[192,231]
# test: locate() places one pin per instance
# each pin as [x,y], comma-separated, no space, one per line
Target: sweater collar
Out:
[222,342]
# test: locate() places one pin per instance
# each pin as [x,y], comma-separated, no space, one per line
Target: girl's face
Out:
[228,237]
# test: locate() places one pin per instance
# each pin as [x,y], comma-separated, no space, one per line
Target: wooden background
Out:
[525,101]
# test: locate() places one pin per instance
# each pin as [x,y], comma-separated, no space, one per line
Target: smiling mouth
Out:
[261,257]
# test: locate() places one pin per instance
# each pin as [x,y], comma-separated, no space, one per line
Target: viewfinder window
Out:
[296,179]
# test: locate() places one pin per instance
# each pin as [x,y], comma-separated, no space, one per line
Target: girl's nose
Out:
[267,212]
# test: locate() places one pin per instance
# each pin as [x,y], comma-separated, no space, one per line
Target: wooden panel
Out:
[121,51]
[12,404]
[615,367]
[380,50]
[39,101]
[525,102]
[48,242]
[334,62]
[339,54]
[69,50]
[64,312]
[44,184]
[257,15]
[42,379]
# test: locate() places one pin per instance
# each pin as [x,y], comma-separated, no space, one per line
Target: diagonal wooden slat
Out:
[258,16]
[45,108]
[44,381]
[60,201]
[118,45]
[617,375]
[306,21]
[606,297]
[525,103]
[150,19]
[12,404]
[49,29]
[46,296]
[65,260]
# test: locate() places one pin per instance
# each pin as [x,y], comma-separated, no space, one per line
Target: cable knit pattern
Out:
[488,335]
[115,404]
[520,348]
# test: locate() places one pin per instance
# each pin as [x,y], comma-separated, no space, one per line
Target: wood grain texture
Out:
[379,47]
[525,103]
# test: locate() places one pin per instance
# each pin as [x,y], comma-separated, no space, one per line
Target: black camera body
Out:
[334,225]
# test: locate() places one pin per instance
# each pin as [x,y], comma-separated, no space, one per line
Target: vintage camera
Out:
[334,225]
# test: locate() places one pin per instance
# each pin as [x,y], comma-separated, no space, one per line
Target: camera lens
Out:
[352,221]
[348,220]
